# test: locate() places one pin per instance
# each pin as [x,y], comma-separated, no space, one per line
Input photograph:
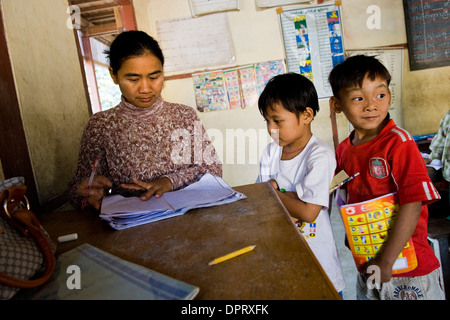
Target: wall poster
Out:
[210,91]
[241,86]
[313,43]
[234,88]
[267,70]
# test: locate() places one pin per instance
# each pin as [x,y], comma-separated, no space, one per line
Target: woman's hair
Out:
[131,44]
[292,90]
[353,70]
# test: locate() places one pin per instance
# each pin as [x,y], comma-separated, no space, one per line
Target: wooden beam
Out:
[101,30]
[127,17]
[334,128]
[102,7]
[123,2]
[78,2]
[118,19]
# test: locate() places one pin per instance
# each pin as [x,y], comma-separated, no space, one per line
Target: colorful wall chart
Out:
[265,71]
[241,86]
[313,43]
[210,91]
[234,88]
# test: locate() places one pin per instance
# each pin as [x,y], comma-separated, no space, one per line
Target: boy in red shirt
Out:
[388,161]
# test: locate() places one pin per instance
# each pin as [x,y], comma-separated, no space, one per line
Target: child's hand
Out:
[274,184]
[384,270]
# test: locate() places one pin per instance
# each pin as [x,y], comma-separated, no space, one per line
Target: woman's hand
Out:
[154,188]
[96,193]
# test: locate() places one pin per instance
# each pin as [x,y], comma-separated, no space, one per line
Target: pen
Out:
[91,178]
[231,255]
[345,181]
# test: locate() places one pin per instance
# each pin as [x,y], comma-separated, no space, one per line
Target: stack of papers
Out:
[122,212]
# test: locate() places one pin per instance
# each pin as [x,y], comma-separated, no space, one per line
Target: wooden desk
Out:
[280,267]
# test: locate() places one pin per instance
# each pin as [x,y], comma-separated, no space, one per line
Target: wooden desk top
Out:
[280,267]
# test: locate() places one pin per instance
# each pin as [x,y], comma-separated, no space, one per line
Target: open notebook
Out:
[125,212]
[103,276]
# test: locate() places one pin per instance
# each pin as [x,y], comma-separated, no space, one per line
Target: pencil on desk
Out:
[231,255]
[91,178]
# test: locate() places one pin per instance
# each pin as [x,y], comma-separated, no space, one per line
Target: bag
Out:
[27,256]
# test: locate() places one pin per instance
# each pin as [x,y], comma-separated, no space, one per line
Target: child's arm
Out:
[402,230]
[297,208]
[304,211]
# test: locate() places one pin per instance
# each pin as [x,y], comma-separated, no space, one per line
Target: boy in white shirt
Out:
[300,166]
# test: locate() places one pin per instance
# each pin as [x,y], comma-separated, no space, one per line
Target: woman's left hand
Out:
[154,188]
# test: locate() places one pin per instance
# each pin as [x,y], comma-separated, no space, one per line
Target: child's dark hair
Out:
[292,90]
[130,44]
[352,71]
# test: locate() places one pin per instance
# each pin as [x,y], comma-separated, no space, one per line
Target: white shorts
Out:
[426,287]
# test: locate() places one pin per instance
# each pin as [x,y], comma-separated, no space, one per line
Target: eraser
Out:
[68,237]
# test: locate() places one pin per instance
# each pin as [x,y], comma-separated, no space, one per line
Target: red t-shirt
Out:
[392,163]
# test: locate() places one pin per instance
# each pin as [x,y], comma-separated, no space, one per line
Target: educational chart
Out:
[367,226]
[241,86]
[313,43]
[267,70]
[234,88]
[210,91]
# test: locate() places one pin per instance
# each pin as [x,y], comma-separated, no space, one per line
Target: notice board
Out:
[428,33]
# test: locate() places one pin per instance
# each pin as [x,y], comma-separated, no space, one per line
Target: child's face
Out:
[365,107]
[140,79]
[286,128]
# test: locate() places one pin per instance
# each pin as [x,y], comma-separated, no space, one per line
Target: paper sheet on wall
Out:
[313,43]
[393,61]
[276,3]
[192,43]
[201,7]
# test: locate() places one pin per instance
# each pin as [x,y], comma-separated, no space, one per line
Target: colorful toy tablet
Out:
[367,225]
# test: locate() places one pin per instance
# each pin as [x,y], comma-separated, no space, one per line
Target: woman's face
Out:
[140,79]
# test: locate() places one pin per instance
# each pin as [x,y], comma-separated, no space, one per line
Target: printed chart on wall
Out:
[241,86]
[234,88]
[266,71]
[210,91]
[313,43]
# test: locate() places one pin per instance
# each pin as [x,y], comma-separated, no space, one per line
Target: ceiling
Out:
[100,18]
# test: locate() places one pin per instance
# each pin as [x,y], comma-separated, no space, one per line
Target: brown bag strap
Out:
[24,220]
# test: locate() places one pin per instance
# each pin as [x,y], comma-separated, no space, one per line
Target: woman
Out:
[145,145]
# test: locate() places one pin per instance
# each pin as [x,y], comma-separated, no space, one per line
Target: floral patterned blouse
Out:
[166,139]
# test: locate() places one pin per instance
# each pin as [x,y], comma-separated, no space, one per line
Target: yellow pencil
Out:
[232,255]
